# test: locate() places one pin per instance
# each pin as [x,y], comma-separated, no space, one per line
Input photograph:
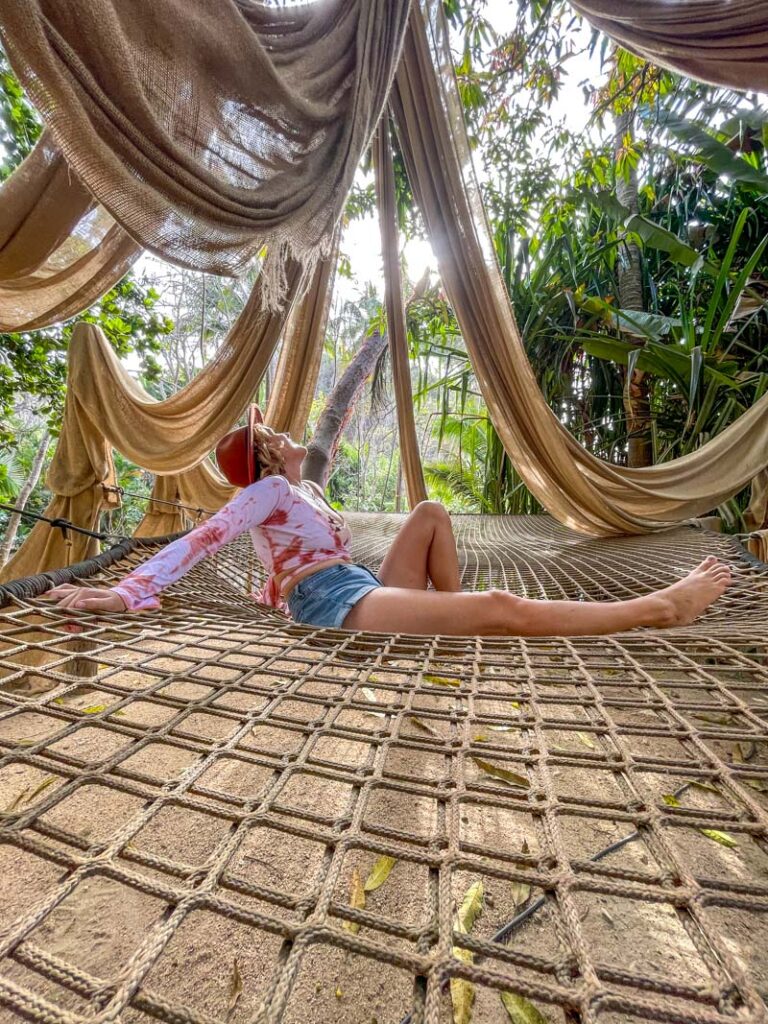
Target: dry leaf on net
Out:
[719,837]
[521,1010]
[512,778]
[711,833]
[356,901]
[462,991]
[379,873]
[39,789]
[235,986]
[587,740]
[421,724]
[521,893]
[440,680]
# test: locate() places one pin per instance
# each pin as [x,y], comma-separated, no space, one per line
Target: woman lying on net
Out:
[304,544]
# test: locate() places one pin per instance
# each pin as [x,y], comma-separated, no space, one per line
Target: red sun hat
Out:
[235,452]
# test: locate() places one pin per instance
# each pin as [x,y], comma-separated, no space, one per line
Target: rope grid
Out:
[186,798]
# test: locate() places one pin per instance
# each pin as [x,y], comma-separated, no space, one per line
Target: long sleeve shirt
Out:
[291,526]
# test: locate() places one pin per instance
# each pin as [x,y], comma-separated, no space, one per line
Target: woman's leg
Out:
[423,550]
[499,613]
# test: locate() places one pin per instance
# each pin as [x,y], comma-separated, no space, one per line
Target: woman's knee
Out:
[430,510]
[504,610]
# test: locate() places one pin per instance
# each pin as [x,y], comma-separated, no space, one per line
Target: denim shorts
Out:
[325,598]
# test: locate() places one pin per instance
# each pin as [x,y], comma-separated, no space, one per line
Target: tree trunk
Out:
[29,485]
[637,392]
[338,410]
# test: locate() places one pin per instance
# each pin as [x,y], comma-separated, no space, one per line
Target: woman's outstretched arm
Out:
[138,591]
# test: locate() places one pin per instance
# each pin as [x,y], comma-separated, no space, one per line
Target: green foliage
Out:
[19,124]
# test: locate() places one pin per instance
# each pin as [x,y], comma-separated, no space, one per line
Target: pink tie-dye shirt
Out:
[291,527]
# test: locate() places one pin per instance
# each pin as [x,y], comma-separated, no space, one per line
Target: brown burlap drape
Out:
[40,205]
[724,42]
[397,335]
[298,367]
[59,251]
[580,490]
[68,283]
[211,129]
[105,409]
[201,489]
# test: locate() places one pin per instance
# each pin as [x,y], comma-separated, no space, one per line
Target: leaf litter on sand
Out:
[356,901]
[462,991]
[520,1010]
[440,680]
[377,876]
[711,833]
[379,873]
[512,778]
[235,988]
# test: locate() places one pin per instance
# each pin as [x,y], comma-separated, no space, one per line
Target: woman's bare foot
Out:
[685,600]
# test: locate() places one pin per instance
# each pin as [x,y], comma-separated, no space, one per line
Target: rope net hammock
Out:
[214,814]
[194,800]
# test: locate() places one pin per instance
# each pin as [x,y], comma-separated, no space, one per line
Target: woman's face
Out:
[281,445]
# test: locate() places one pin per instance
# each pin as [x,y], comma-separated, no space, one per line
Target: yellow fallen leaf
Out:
[521,893]
[512,778]
[39,789]
[462,996]
[356,901]
[235,986]
[92,709]
[719,837]
[587,740]
[338,993]
[470,909]
[462,991]
[424,727]
[440,680]
[379,873]
[520,1010]
[711,833]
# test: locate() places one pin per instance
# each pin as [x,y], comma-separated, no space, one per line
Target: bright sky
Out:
[358,242]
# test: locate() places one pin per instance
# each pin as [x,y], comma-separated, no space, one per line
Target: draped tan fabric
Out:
[41,203]
[52,295]
[105,409]
[80,472]
[756,515]
[163,516]
[757,545]
[724,42]
[580,490]
[202,489]
[397,334]
[59,252]
[174,435]
[211,129]
[293,389]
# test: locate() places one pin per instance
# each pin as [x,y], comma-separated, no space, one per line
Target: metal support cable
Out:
[65,525]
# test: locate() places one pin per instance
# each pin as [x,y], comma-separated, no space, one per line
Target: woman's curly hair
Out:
[267,462]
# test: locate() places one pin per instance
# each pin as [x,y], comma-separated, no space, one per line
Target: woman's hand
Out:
[87,599]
